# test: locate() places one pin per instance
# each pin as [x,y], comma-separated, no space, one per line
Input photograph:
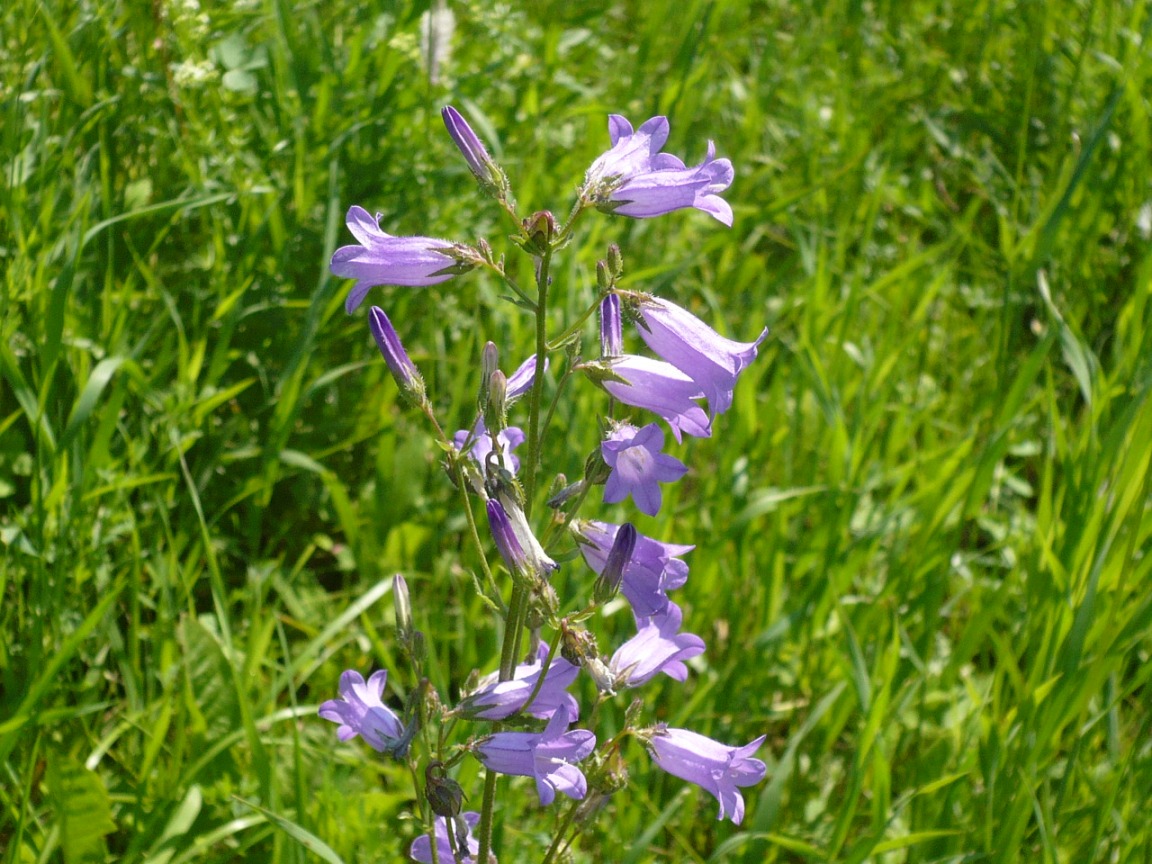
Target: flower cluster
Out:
[526,710]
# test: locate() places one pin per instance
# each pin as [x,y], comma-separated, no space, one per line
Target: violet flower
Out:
[638,466]
[545,756]
[361,711]
[509,439]
[421,849]
[494,699]
[657,647]
[709,359]
[635,179]
[716,768]
[660,388]
[654,569]
[381,259]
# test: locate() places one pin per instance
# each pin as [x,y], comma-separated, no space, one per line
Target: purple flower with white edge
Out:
[638,466]
[711,360]
[635,179]
[381,259]
[517,544]
[654,569]
[657,387]
[494,699]
[657,647]
[547,757]
[421,849]
[361,711]
[399,363]
[716,768]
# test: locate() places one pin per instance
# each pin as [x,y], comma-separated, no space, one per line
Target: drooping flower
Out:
[547,756]
[653,570]
[421,849]
[638,466]
[399,363]
[655,386]
[709,359]
[494,699]
[381,259]
[657,647]
[635,179]
[716,768]
[361,711]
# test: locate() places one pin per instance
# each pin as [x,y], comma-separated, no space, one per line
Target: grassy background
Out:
[923,531]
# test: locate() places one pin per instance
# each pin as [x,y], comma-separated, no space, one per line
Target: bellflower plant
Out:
[360,711]
[495,699]
[716,768]
[658,646]
[709,359]
[517,720]
[381,259]
[548,757]
[638,466]
[635,179]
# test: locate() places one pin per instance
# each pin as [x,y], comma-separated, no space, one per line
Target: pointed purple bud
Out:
[608,582]
[475,154]
[611,330]
[399,363]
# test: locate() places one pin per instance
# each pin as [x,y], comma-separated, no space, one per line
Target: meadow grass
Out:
[923,531]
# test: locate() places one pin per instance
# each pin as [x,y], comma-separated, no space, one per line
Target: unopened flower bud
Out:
[443,793]
[403,603]
[615,261]
[543,604]
[490,176]
[608,582]
[603,277]
[496,410]
[611,328]
[399,363]
[489,363]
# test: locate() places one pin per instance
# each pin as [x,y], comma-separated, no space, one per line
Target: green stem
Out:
[512,625]
[486,815]
[538,380]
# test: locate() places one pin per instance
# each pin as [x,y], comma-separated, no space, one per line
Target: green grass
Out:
[923,531]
